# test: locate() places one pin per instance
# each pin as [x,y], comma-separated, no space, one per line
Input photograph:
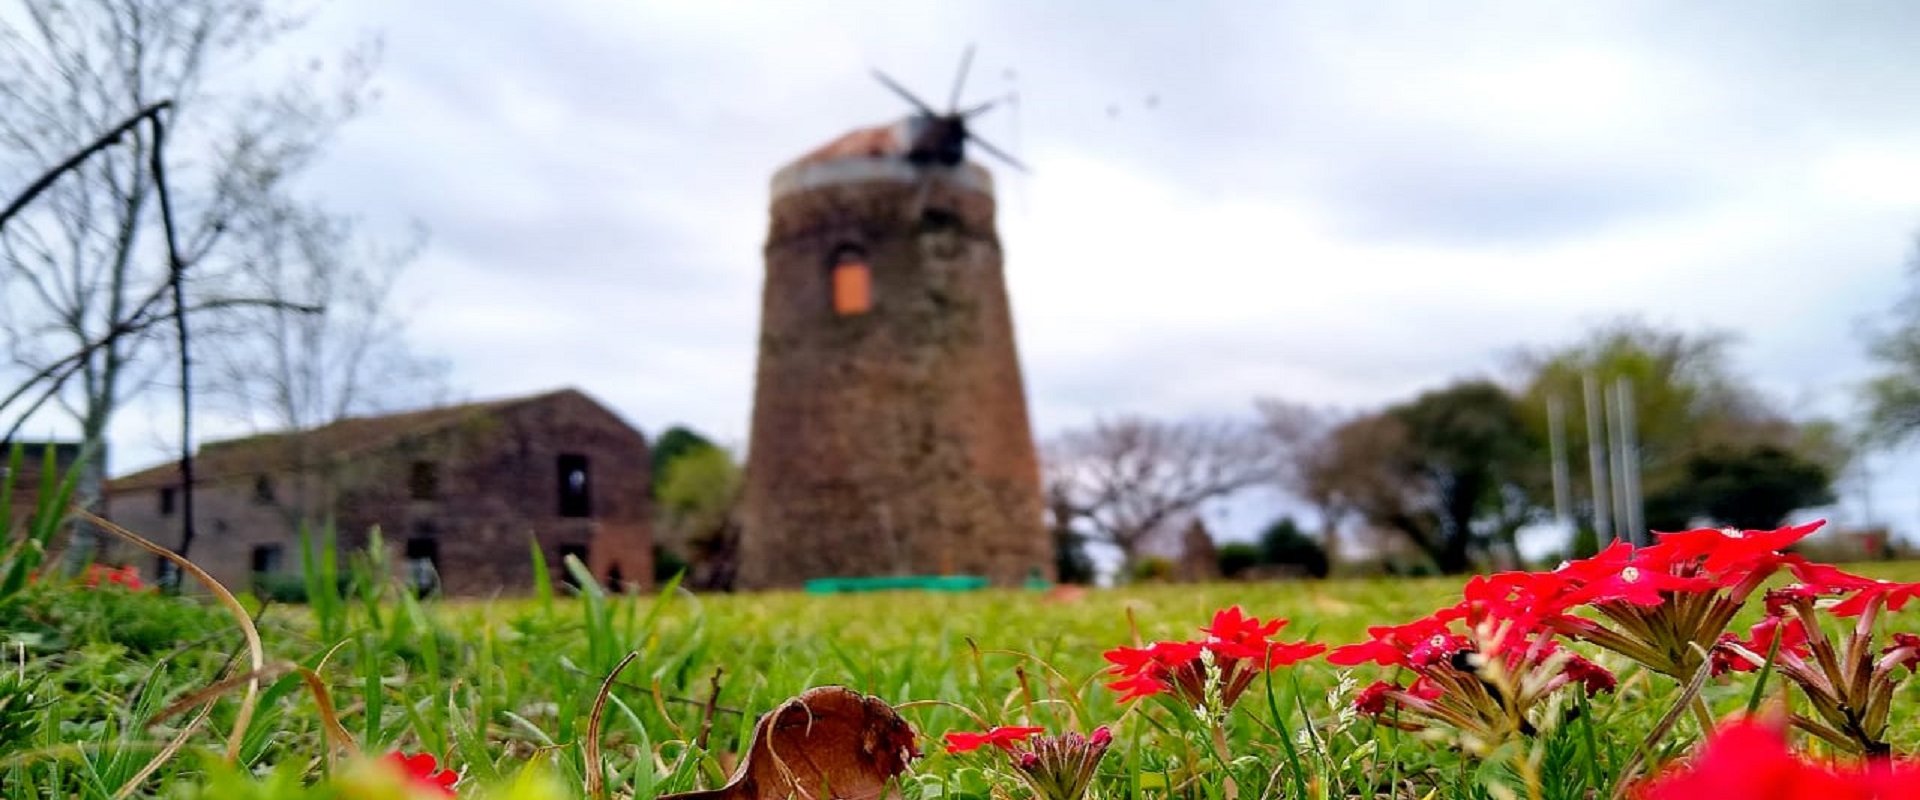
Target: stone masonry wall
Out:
[497,491]
[897,441]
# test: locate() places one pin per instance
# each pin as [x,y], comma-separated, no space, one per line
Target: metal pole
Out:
[1596,457]
[1557,450]
[1617,462]
[1630,454]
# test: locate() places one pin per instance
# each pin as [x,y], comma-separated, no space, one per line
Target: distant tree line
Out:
[1454,473]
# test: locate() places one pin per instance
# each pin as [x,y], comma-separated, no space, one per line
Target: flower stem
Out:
[1229,789]
[1703,715]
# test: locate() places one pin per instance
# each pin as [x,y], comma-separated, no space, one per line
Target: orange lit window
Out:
[852,283]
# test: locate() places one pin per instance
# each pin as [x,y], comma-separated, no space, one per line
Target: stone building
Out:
[458,493]
[890,432]
[24,487]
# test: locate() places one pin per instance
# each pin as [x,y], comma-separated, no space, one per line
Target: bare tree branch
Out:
[1131,478]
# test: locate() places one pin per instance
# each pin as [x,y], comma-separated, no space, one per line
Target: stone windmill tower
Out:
[890,432]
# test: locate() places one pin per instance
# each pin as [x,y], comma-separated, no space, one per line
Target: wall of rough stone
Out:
[897,441]
[498,490]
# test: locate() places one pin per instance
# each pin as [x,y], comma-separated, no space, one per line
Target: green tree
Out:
[1467,448]
[1444,469]
[1750,488]
[697,493]
[673,443]
[1689,404]
[1893,397]
[1284,544]
[1236,558]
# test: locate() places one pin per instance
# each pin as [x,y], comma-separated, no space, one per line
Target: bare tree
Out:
[288,368]
[1310,461]
[75,265]
[327,344]
[1128,479]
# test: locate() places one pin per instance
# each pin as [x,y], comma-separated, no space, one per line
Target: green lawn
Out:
[494,685]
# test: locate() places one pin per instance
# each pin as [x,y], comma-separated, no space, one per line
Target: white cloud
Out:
[1336,203]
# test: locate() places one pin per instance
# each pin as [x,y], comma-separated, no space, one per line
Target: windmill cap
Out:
[870,155]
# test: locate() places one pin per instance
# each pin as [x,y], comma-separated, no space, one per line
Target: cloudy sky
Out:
[1336,203]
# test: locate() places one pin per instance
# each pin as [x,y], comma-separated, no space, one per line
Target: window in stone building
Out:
[578,551]
[263,490]
[166,500]
[423,562]
[423,480]
[852,281]
[576,498]
[267,558]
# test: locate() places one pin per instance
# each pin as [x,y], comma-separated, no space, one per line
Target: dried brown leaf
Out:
[829,743]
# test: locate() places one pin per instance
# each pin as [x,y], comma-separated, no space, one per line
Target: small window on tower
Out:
[263,491]
[423,480]
[852,282]
[166,500]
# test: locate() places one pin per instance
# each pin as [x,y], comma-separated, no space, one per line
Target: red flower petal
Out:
[1001,736]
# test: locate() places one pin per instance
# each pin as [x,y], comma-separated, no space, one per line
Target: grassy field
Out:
[103,678]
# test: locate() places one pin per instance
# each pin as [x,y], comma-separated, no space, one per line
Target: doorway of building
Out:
[423,565]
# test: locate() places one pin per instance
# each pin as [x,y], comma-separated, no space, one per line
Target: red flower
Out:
[126,577]
[1373,651]
[1828,578]
[1373,699]
[1596,678]
[1060,767]
[1235,635]
[1000,736]
[1514,595]
[1238,645]
[1894,595]
[1727,548]
[1621,574]
[1387,645]
[1887,779]
[1780,601]
[424,772]
[1750,761]
[1791,632]
[1143,671]
[1905,651]
[1233,625]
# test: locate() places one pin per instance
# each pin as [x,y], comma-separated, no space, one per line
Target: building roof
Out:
[879,141]
[876,154]
[270,453]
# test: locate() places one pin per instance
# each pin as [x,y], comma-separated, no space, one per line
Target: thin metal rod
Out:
[1557,450]
[1596,457]
[1617,462]
[1630,452]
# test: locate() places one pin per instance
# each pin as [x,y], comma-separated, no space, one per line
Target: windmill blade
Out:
[959,81]
[997,152]
[978,109]
[902,91]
